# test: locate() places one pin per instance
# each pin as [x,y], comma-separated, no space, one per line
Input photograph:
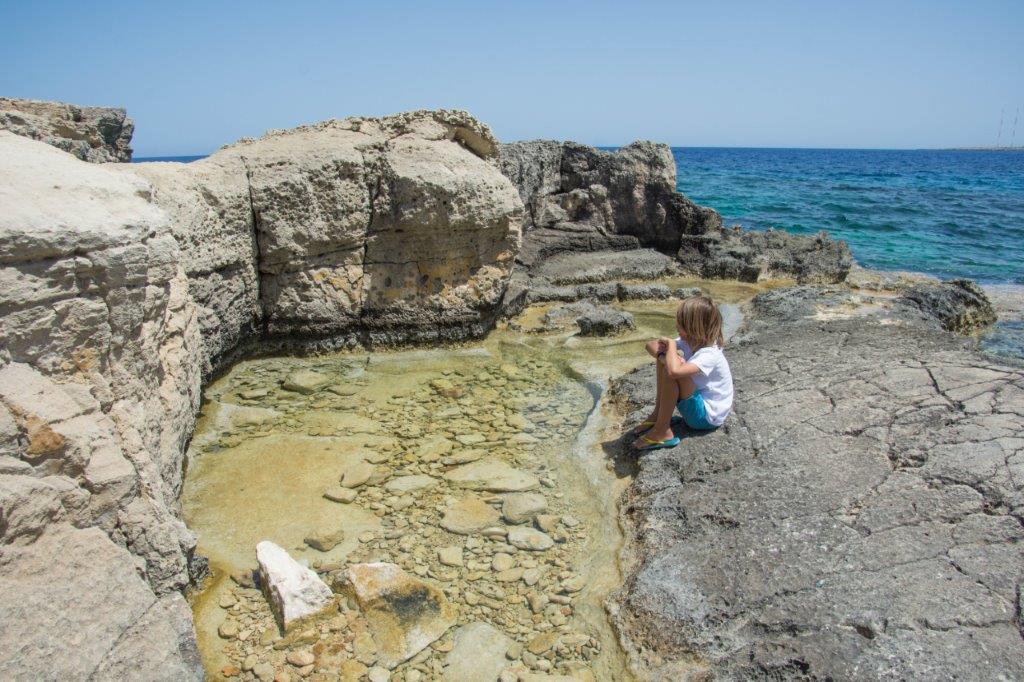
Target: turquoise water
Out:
[946,213]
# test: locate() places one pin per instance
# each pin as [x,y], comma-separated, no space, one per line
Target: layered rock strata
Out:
[95,134]
[125,286]
[99,384]
[580,200]
[858,517]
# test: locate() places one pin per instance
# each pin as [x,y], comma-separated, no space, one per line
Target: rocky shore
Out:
[860,515]
[126,288]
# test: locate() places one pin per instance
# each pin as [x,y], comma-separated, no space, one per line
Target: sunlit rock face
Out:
[95,134]
[379,230]
[122,287]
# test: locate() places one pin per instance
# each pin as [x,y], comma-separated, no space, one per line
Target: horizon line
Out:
[960,148]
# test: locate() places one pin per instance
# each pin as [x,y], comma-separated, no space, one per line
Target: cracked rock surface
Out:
[858,517]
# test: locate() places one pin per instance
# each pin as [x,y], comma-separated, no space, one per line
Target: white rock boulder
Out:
[294,591]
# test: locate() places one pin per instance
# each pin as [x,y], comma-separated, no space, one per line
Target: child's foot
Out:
[644,426]
[652,441]
[652,444]
[647,424]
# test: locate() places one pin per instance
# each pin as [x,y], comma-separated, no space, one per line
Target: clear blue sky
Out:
[196,75]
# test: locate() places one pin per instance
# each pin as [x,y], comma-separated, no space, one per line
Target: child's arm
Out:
[657,346]
[676,367]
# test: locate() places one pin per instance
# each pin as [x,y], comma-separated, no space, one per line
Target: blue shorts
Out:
[695,413]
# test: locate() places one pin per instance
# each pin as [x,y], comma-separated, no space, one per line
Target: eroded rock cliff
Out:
[581,201]
[96,134]
[99,385]
[123,287]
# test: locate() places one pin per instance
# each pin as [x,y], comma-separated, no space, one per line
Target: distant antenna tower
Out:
[999,135]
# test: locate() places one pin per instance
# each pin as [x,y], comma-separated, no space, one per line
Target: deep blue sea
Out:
[946,213]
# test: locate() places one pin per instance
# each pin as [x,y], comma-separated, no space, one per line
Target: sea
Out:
[947,213]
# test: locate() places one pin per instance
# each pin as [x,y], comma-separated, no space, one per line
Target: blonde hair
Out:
[699,317]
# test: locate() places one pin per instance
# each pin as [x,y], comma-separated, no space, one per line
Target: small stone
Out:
[502,562]
[537,601]
[542,642]
[250,662]
[509,576]
[300,658]
[339,494]
[530,539]
[450,556]
[230,671]
[469,515]
[357,474]
[408,484]
[574,584]
[413,675]
[351,671]
[228,629]
[243,579]
[547,522]
[531,576]
[282,676]
[514,651]
[325,541]
[305,381]
[263,671]
[570,521]
[378,674]
[478,654]
[522,507]
[508,676]
[470,438]
[227,600]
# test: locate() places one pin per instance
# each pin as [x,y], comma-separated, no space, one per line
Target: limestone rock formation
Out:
[960,304]
[122,287]
[385,229]
[590,205]
[99,384]
[605,320]
[96,134]
[293,591]
[858,517]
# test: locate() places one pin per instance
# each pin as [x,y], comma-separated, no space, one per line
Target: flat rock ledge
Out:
[859,516]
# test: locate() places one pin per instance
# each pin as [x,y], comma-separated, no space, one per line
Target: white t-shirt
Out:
[714,381]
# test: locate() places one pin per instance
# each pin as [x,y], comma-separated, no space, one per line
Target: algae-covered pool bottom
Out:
[276,434]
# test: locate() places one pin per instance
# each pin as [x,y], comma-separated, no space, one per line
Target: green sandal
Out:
[659,444]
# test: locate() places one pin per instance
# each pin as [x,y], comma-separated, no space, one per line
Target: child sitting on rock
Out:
[693,376]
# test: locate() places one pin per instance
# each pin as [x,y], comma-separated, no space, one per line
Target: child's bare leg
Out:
[665,405]
[659,371]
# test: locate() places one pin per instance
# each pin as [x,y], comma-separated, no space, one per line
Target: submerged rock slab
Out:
[857,517]
[404,614]
[293,591]
[478,653]
[491,475]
